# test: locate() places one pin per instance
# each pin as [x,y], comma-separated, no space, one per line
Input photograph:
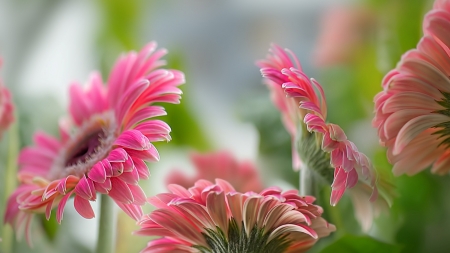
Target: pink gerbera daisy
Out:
[215,218]
[6,108]
[343,31]
[242,175]
[306,102]
[413,110]
[103,146]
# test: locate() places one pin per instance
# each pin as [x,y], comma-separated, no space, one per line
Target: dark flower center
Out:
[86,148]
[91,143]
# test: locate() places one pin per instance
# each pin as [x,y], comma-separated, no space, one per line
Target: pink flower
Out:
[412,113]
[215,218]
[104,145]
[290,114]
[242,175]
[306,100]
[343,32]
[6,109]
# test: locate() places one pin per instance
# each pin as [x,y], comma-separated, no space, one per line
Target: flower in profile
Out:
[243,176]
[413,110]
[6,108]
[306,101]
[215,218]
[103,146]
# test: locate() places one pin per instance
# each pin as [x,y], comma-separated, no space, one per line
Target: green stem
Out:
[10,181]
[306,182]
[107,226]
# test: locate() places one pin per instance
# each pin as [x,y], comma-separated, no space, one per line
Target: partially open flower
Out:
[103,146]
[215,218]
[412,113]
[306,102]
[243,176]
[320,146]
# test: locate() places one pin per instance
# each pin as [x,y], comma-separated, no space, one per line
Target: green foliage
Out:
[360,244]
[274,140]
[185,128]
[50,226]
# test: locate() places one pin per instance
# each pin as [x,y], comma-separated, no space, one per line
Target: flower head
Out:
[306,101]
[104,144]
[413,110]
[6,108]
[343,31]
[215,218]
[242,175]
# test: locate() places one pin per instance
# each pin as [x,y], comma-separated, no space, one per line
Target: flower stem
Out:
[107,226]
[10,182]
[306,182]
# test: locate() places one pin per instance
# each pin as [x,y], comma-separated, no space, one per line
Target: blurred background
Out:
[347,46]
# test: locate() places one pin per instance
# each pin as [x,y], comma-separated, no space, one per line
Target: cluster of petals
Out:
[281,69]
[243,176]
[412,111]
[104,144]
[184,215]
[6,109]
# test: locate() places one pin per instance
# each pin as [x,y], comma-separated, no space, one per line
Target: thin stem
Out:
[107,226]
[306,182]
[10,181]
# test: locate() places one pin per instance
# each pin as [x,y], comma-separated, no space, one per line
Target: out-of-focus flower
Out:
[103,146]
[242,175]
[6,108]
[412,113]
[307,101]
[215,218]
[343,31]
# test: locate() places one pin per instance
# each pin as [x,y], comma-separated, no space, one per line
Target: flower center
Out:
[238,241]
[86,148]
[88,145]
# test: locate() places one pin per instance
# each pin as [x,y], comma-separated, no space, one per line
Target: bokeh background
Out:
[346,45]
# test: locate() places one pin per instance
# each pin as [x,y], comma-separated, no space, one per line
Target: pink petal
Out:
[414,127]
[97,173]
[120,191]
[142,168]
[134,211]
[133,139]
[130,96]
[217,208]
[85,189]
[61,205]
[83,207]
[118,155]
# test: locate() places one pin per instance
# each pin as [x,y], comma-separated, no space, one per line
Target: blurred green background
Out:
[47,44]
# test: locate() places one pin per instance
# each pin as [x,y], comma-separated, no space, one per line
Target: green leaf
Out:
[356,244]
